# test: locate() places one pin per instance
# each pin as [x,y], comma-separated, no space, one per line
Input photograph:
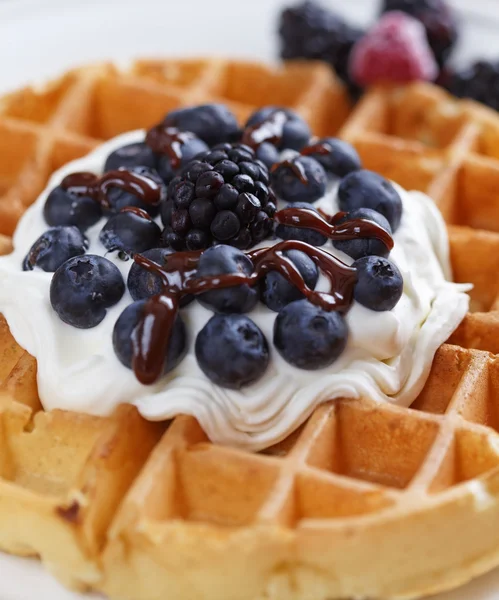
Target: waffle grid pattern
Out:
[122,505]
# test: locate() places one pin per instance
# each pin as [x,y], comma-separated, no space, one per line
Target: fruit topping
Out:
[379,283]
[129,156]
[125,333]
[309,30]
[232,351]
[54,247]
[309,337]
[299,179]
[221,196]
[479,81]
[277,291]
[143,284]
[439,21]
[394,50]
[366,246]
[131,230]
[281,127]
[64,208]
[366,189]
[213,123]
[174,149]
[336,156]
[83,288]
[303,234]
[226,260]
[142,186]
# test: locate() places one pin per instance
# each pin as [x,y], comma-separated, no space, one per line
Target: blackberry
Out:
[479,81]
[222,195]
[309,30]
[439,21]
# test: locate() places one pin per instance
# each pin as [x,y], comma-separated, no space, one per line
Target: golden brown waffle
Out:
[363,500]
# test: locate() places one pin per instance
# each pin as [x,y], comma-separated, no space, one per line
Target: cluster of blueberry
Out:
[215,195]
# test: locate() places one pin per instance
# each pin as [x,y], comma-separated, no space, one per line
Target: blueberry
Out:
[337,157]
[295,131]
[119,198]
[268,154]
[286,232]
[142,283]
[83,288]
[379,283]
[277,291]
[131,155]
[366,189]
[125,331]
[232,351]
[189,150]
[130,232]
[221,260]
[65,208]
[54,247]
[289,185]
[213,123]
[309,337]
[360,247]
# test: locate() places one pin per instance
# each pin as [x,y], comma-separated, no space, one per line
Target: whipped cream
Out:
[387,359]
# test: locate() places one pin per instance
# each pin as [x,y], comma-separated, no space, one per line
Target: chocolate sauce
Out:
[97,188]
[351,229]
[321,148]
[168,140]
[269,130]
[151,337]
[296,167]
[140,212]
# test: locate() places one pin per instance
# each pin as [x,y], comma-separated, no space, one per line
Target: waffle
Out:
[363,500]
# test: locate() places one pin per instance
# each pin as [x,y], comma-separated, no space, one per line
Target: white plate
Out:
[41,39]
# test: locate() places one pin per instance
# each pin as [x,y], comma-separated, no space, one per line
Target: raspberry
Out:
[394,50]
[222,196]
[438,19]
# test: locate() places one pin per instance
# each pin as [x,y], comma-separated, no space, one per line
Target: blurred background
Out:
[40,38]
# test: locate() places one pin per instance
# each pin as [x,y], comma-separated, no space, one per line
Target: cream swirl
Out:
[387,359]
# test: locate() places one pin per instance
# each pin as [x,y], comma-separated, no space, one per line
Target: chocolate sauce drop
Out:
[296,167]
[351,229]
[269,130]
[168,140]
[97,188]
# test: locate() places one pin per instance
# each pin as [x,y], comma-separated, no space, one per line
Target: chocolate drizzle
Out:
[268,130]
[139,212]
[151,336]
[350,229]
[97,188]
[296,167]
[321,148]
[168,140]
